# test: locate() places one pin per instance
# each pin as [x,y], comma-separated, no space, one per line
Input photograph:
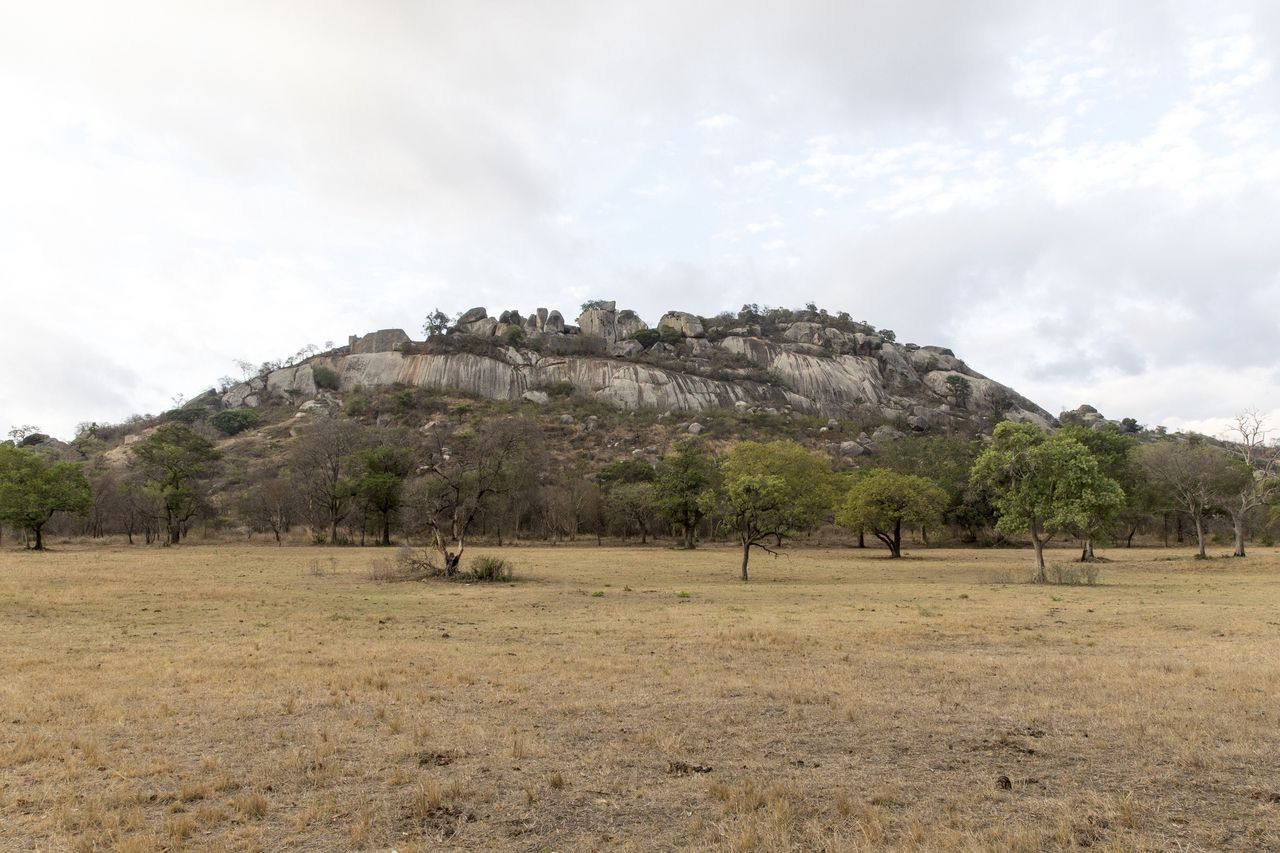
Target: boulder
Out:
[741,405]
[626,349]
[383,340]
[542,318]
[833,424]
[566,419]
[539,397]
[700,346]
[695,428]
[613,326]
[885,433]
[482,328]
[554,322]
[851,448]
[472,315]
[805,333]
[688,325]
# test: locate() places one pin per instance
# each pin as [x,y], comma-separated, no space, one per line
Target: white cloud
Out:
[1077,197]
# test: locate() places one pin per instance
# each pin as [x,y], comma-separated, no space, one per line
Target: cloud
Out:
[1076,198]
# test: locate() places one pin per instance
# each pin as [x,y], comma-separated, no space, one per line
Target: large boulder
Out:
[383,340]
[688,325]
[472,315]
[554,322]
[614,326]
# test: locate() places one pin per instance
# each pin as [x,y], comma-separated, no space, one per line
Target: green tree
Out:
[380,479]
[1115,453]
[961,390]
[436,324]
[685,487]
[323,461]
[772,491]
[1044,485]
[882,501]
[173,460]
[33,488]
[946,462]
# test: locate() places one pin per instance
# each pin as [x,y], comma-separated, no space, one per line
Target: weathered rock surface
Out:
[810,368]
[383,340]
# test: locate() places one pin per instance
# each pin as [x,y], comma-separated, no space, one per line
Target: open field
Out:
[254,698]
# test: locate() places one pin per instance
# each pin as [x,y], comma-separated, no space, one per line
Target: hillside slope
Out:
[807,362]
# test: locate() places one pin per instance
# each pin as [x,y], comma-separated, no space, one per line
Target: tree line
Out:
[349,483]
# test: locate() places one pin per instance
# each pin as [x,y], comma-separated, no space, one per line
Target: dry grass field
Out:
[254,698]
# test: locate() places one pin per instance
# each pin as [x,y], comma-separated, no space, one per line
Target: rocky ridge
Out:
[807,362]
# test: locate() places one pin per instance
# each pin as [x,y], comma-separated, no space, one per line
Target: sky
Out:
[1081,199]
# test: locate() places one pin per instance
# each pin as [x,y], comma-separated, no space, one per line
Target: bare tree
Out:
[322,461]
[462,474]
[1259,481]
[1194,476]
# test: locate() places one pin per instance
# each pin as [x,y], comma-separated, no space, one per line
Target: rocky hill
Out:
[772,361]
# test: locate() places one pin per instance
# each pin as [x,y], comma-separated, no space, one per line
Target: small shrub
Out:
[514,336]
[325,377]
[188,415]
[489,570]
[234,421]
[1063,575]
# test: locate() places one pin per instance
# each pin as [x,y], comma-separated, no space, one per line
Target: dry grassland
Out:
[234,698]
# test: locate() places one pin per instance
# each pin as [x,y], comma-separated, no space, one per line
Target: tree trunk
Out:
[1086,553]
[1199,536]
[1164,524]
[40,540]
[386,529]
[333,530]
[1238,523]
[688,537]
[1040,576]
[862,538]
[746,555]
[895,547]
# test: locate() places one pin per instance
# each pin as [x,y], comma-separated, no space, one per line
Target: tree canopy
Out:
[882,501]
[33,488]
[172,459]
[773,490]
[685,487]
[1044,485]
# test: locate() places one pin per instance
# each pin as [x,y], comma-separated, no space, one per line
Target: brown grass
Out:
[231,698]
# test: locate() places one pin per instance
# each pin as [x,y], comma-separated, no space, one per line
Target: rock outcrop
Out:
[806,366]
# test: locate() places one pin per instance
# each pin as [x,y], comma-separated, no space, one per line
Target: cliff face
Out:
[686,364]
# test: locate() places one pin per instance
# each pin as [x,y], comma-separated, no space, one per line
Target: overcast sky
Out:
[1082,199]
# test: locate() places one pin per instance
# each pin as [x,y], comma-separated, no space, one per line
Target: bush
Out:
[646,337]
[1085,575]
[515,336]
[325,377]
[233,421]
[489,570]
[561,389]
[189,415]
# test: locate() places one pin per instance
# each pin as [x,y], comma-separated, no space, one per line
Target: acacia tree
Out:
[462,474]
[323,460]
[33,488]
[772,491]
[1193,475]
[882,501]
[685,486]
[1044,485]
[172,461]
[1258,480]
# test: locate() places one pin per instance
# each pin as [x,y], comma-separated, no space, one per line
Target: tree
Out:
[437,323]
[1044,485]
[882,501]
[464,471]
[771,491]
[1114,453]
[961,390]
[1258,477]
[322,460]
[632,506]
[1194,476]
[946,462]
[173,460]
[270,504]
[382,472]
[685,487]
[33,488]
